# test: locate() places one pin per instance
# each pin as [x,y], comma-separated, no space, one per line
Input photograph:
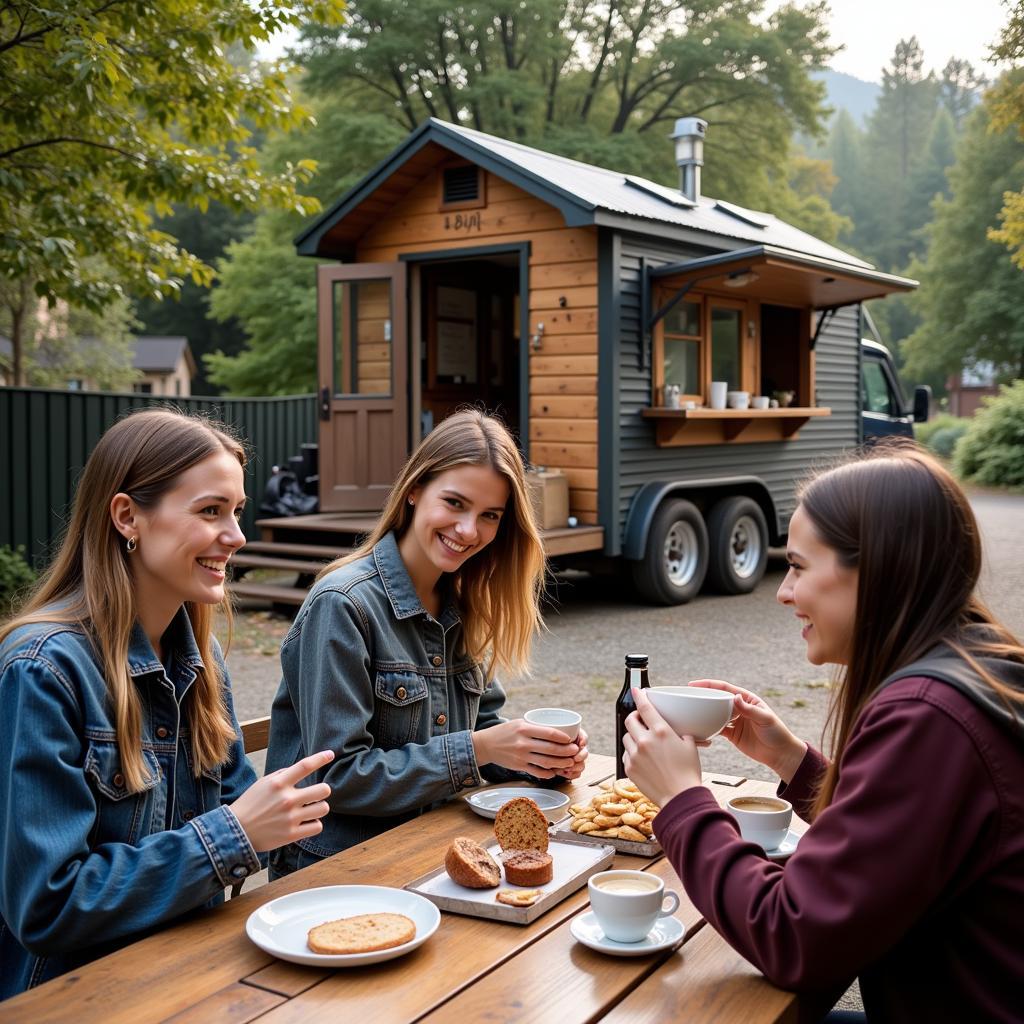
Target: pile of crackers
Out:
[620,811]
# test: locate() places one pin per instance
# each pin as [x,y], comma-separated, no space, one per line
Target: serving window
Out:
[705,338]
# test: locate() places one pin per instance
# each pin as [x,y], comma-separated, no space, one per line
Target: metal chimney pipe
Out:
[689,135]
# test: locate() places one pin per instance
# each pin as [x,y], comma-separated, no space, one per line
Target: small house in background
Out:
[166,364]
[970,386]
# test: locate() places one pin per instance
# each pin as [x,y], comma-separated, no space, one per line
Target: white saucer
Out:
[487,802]
[666,933]
[785,848]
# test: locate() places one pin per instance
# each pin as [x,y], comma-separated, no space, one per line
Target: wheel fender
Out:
[641,514]
[650,496]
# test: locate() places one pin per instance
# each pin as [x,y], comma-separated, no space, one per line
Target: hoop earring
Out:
[131,544]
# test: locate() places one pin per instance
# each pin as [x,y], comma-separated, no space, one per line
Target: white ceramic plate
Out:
[785,848]
[487,802]
[666,933]
[281,926]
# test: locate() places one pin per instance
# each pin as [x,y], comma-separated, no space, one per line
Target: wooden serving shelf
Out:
[677,427]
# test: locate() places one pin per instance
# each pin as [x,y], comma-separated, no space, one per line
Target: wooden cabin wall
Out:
[563,267]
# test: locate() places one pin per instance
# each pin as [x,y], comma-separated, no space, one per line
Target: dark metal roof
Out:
[156,354]
[583,193]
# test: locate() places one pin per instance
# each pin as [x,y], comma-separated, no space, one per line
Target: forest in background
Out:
[922,186]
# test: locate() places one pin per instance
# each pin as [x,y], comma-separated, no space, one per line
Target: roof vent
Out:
[689,136]
[461,184]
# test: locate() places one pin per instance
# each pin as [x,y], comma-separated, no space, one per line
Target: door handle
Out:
[325,403]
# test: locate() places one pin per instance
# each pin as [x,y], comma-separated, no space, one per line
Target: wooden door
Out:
[363,371]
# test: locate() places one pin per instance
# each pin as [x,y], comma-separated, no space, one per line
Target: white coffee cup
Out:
[628,903]
[759,402]
[737,399]
[762,819]
[556,718]
[696,711]
[719,389]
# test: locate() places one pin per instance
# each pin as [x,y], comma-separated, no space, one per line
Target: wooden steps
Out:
[272,592]
[291,544]
[305,567]
[275,548]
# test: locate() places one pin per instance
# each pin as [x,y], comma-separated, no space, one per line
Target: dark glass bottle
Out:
[636,675]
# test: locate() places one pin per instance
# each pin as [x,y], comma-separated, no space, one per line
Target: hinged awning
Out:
[772,274]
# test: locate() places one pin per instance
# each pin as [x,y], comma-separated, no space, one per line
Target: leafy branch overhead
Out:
[585,79]
[111,110]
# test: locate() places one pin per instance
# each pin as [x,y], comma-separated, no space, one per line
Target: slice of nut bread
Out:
[469,864]
[521,825]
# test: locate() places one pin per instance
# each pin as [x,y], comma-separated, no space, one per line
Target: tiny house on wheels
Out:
[593,310]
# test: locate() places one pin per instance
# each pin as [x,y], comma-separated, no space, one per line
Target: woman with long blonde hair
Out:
[393,658]
[125,795]
[911,875]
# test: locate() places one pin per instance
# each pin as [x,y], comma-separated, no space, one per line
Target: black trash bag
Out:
[284,496]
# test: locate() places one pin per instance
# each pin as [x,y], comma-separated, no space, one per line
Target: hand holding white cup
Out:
[562,719]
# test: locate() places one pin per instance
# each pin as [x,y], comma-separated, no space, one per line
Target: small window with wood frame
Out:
[703,338]
[461,187]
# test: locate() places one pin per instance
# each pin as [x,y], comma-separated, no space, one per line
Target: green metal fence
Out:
[46,436]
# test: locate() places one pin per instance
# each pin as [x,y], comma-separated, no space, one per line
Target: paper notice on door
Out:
[456,350]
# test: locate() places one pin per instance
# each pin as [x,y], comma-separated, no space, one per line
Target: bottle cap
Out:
[636,661]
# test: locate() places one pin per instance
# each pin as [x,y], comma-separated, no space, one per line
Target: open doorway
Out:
[469,338]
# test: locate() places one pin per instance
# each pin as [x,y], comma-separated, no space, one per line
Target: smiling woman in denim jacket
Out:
[125,795]
[392,658]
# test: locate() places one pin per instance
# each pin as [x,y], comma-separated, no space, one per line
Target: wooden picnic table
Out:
[205,968]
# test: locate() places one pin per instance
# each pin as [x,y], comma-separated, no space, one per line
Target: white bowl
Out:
[738,399]
[487,802]
[693,710]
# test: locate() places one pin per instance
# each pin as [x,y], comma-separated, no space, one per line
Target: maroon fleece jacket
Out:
[911,879]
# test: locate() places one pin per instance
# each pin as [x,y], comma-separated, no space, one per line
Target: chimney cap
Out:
[689,126]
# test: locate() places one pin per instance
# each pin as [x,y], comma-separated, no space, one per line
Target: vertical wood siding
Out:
[47,435]
[563,269]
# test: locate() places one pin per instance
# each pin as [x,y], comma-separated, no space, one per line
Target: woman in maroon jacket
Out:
[911,876]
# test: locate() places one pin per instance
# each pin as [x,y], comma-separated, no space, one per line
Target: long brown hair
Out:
[89,583]
[898,517]
[499,589]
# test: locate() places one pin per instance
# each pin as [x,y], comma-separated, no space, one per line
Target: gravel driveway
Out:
[750,640]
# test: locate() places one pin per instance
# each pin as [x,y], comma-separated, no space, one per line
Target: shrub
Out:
[992,451]
[925,432]
[16,576]
[943,441]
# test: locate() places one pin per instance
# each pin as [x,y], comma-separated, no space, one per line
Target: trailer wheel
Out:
[739,545]
[676,560]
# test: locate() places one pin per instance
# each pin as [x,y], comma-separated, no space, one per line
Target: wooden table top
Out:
[205,968]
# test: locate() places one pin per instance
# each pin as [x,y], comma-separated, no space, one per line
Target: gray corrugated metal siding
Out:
[781,465]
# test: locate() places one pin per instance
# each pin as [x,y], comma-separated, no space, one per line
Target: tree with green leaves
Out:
[112,111]
[970,292]
[598,82]
[602,83]
[1007,106]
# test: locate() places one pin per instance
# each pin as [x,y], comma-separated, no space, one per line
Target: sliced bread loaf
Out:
[469,864]
[521,825]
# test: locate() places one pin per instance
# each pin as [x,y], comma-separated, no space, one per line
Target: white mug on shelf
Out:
[759,402]
[719,389]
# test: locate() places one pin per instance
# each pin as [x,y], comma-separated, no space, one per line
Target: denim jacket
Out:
[88,866]
[371,675]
